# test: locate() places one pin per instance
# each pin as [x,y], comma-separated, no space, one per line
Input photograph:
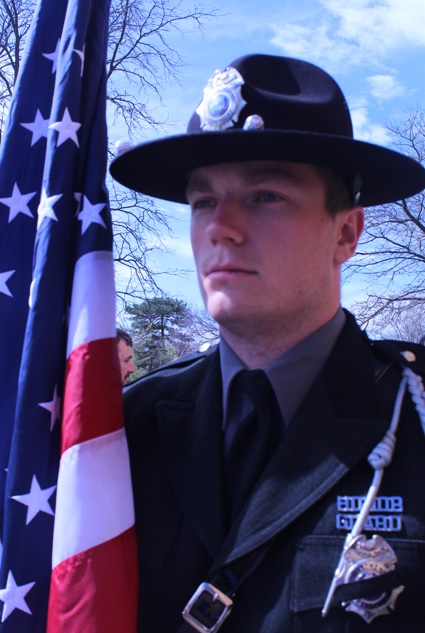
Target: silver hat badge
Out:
[222,103]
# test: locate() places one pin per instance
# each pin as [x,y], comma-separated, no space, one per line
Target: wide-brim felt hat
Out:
[271,108]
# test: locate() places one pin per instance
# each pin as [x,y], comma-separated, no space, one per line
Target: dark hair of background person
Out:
[123,336]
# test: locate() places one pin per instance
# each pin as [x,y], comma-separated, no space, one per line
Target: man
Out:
[289,511]
[125,354]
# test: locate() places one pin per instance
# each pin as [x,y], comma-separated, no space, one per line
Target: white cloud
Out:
[385,87]
[365,129]
[382,24]
[316,42]
[353,33]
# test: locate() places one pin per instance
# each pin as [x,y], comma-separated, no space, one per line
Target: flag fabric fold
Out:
[65,471]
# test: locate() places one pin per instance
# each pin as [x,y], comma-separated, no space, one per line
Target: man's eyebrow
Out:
[197,183]
[257,176]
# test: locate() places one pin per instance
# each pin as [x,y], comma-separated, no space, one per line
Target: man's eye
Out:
[202,203]
[268,196]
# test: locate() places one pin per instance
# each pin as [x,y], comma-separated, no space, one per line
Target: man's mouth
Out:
[229,269]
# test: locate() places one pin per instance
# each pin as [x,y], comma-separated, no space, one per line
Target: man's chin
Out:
[225,311]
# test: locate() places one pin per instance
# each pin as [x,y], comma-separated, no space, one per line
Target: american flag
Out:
[65,483]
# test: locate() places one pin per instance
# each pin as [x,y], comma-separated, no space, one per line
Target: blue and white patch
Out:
[384,516]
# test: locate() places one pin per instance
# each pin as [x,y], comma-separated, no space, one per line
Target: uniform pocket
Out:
[316,558]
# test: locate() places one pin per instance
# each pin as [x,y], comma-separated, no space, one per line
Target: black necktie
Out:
[256,438]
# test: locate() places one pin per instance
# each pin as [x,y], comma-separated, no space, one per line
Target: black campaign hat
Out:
[263,107]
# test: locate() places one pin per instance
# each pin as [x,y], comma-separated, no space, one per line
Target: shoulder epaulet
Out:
[179,363]
[406,354]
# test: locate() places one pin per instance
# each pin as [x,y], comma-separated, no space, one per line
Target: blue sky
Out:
[375,49]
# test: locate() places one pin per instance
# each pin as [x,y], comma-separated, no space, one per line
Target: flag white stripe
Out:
[95,504]
[93,293]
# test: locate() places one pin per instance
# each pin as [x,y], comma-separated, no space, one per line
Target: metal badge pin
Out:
[222,103]
[363,559]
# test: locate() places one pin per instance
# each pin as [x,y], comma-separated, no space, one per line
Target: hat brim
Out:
[160,168]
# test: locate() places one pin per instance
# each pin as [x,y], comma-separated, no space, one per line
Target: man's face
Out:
[267,252]
[125,354]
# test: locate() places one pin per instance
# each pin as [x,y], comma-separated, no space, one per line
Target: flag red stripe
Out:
[83,585]
[89,409]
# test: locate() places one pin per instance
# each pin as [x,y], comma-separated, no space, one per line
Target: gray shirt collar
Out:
[292,374]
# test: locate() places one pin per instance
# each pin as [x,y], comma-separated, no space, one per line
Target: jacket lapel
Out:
[192,437]
[337,425]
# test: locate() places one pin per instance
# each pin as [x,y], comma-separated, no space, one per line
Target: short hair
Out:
[338,194]
[123,336]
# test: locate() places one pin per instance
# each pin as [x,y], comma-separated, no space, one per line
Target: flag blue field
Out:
[54,219]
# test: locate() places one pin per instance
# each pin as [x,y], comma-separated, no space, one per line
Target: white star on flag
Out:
[53,57]
[36,500]
[67,129]
[90,214]
[53,407]
[13,596]
[45,208]
[81,56]
[3,279]
[17,203]
[38,127]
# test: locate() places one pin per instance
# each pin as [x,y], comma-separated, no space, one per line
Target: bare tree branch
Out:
[391,254]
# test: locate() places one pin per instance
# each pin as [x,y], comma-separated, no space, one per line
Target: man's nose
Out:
[227,222]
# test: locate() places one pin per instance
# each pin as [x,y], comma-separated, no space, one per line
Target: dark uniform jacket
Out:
[304,499]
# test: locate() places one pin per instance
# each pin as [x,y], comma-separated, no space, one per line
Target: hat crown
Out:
[268,108]
[288,94]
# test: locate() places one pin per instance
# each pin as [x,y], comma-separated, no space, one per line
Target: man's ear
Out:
[349,225]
